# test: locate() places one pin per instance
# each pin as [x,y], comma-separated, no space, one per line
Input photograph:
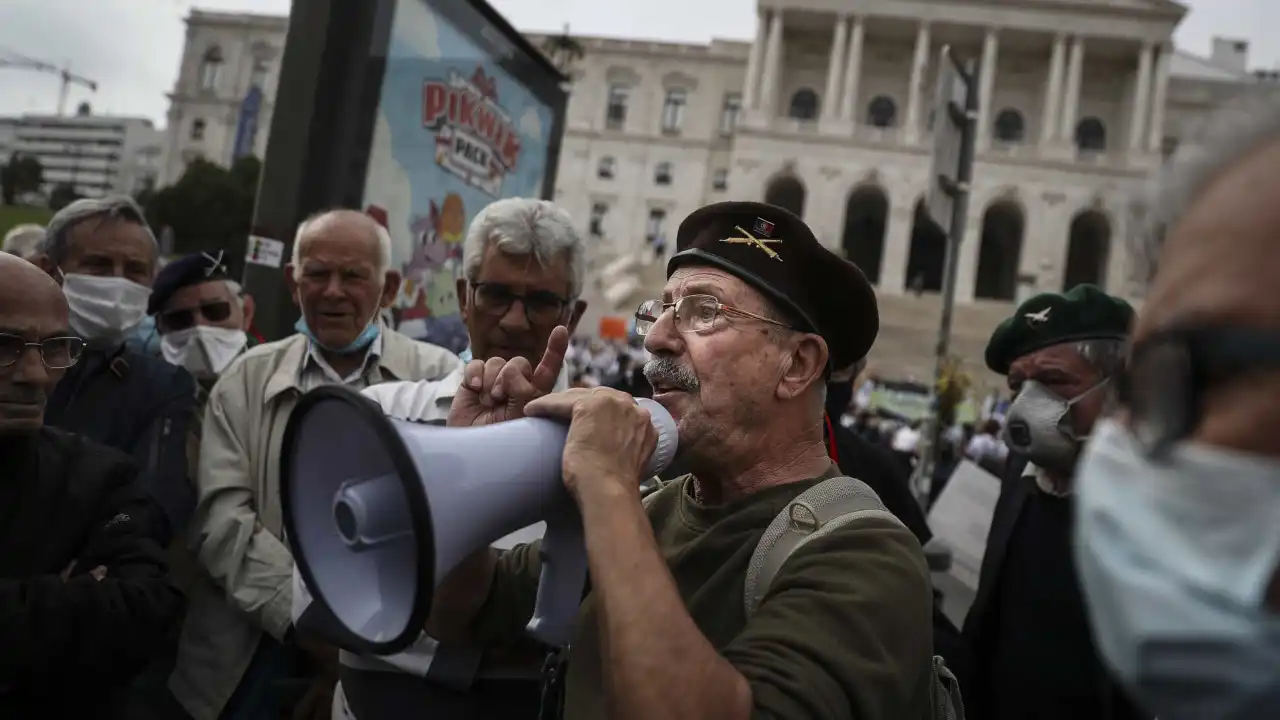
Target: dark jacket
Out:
[142,406]
[986,632]
[68,647]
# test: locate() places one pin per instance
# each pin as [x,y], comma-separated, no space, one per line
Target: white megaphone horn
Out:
[379,510]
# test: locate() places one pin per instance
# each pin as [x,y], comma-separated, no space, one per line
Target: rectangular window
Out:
[598,211]
[616,116]
[662,174]
[720,180]
[655,230]
[673,110]
[729,113]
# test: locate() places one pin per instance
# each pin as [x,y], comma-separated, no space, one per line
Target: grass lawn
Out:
[11,215]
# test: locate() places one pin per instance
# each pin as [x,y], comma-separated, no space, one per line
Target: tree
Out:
[22,174]
[210,208]
[63,195]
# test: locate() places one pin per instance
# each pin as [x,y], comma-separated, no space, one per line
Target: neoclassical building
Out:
[828,112]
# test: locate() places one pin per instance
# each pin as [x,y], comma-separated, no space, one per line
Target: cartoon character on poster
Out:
[454,132]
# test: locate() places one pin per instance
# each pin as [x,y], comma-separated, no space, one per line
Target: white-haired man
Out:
[1177,539]
[23,240]
[238,640]
[523,265]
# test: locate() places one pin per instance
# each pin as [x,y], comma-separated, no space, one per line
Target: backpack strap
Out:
[816,512]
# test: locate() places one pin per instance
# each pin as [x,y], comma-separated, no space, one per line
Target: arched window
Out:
[804,105]
[882,112]
[1091,135]
[211,68]
[1009,126]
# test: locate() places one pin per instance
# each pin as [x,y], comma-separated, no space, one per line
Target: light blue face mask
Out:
[1175,558]
[465,355]
[360,344]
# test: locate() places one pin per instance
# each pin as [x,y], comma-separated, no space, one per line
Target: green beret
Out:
[1084,312]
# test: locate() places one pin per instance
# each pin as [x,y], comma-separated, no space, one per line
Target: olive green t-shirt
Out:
[845,630]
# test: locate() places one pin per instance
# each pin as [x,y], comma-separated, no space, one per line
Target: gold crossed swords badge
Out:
[749,239]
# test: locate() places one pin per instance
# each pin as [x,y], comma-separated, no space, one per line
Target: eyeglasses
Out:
[694,313]
[541,307]
[58,353]
[1170,372]
[214,312]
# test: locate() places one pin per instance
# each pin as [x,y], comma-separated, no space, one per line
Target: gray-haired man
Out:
[103,254]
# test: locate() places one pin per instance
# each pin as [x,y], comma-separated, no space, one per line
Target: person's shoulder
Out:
[876,547]
[86,461]
[428,359]
[154,371]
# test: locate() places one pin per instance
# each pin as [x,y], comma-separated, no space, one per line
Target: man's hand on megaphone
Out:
[497,390]
[609,443]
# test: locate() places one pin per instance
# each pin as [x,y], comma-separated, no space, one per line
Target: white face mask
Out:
[1175,557]
[104,309]
[203,350]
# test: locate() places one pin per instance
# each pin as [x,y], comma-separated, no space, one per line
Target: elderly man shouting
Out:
[238,641]
[743,339]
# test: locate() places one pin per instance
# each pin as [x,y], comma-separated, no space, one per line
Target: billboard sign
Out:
[465,117]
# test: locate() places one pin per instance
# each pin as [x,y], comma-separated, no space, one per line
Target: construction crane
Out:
[11,59]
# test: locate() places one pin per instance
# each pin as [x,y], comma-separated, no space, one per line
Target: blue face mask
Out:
[360,344]
[1175,558]
[465,355]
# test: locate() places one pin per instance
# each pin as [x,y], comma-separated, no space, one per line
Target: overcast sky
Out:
[132,47]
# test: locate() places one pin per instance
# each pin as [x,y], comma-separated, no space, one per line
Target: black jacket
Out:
[142,406]
[68,647]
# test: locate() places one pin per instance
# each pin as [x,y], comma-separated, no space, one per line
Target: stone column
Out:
[897,249]
[835,63]
[772,68]
[1158,97]
[986,86]
[915,91]
[1071,97]
[852,73]
[1140,101]
[751,86]
[1053,92]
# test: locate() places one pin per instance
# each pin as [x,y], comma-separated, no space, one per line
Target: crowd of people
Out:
[777,569]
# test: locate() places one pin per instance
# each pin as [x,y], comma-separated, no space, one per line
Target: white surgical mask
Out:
[104,309]
[1175,557]
[203,350]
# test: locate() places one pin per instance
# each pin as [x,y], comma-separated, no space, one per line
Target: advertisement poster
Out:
[454,132]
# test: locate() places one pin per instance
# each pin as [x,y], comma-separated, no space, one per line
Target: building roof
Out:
[1193,67]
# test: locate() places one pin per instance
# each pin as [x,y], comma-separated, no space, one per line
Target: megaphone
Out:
[379,510]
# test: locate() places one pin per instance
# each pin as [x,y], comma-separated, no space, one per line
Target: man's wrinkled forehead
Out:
[705,281]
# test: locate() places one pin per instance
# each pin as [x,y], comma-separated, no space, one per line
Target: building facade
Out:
[94,154]
[221,103]
[828,111]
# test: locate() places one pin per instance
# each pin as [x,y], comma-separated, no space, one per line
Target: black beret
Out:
[1083,313]
[774,251]
[186,271]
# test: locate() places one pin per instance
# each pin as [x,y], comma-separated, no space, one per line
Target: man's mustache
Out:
[664,370]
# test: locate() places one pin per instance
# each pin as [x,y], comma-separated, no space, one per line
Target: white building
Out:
[95,154]
[828,112]
[212,106]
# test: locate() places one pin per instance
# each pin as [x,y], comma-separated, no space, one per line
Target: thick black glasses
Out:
[541,307]
[214,312]
[1170,372]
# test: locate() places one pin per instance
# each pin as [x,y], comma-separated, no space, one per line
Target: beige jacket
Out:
[237,533]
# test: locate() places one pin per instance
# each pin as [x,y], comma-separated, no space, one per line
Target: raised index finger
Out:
[548,370]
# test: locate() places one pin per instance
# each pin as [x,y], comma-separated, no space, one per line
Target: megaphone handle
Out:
[563,578]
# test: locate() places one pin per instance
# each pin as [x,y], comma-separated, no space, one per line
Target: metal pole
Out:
[955,236]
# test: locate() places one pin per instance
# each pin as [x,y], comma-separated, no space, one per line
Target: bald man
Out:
[84,597]
[237,641]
